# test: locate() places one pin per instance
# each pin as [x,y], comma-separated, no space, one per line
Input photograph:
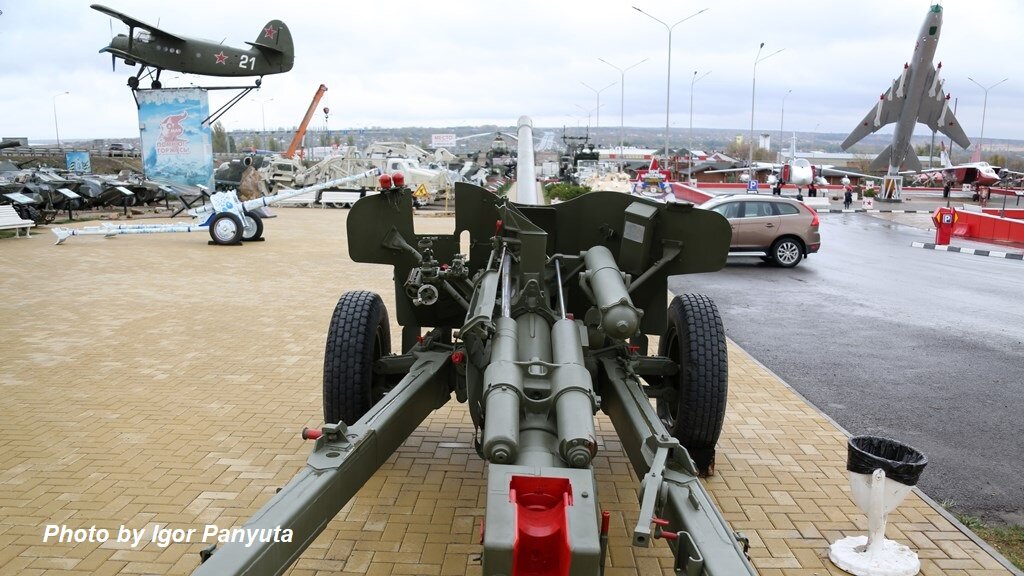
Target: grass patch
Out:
[1008,540]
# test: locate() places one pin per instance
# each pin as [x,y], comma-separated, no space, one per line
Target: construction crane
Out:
[297,140]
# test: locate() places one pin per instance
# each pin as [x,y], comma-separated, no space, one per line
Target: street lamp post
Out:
[753,89]
[782,119]
[668,79]
[694,80]
[984,107]
[263,112]
[56,125]
[622,100]
[589,113]
[598,94]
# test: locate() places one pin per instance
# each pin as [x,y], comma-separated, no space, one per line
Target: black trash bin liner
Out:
[902,463]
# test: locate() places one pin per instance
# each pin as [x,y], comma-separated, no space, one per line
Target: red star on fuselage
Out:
[221,58]
[269,32]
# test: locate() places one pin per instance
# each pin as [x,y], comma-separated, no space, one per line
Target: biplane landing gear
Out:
[133,82]
[156,85]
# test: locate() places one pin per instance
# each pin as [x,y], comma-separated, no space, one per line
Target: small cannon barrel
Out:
[619,318]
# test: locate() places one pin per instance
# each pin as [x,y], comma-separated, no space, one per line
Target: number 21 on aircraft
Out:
[247,61]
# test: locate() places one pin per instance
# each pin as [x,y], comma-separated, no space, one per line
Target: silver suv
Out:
[785,230]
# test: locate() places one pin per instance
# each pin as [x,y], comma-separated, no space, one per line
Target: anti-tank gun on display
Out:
[227,219]
[541,322]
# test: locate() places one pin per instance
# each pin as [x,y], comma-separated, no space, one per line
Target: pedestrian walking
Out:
[848,197]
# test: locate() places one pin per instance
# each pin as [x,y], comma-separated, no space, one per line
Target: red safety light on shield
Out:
[385,181]
[398,179]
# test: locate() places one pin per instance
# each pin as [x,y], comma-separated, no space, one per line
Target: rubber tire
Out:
[133,83]
[695,340]
[235,238]
[359,334]
[258,233]
[156,85]
[780,245]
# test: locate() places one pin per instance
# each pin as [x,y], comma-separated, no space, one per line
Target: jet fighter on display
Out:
[975,172]
[157,50]
[916,95]
[796,171]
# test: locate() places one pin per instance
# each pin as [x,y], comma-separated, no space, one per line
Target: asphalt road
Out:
[923,346]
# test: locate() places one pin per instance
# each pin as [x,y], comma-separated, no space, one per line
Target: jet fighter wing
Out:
[833,170]
[134,23]
[886,111]
[758,168]
[935,112]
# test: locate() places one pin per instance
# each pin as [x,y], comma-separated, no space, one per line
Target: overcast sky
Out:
[445,63]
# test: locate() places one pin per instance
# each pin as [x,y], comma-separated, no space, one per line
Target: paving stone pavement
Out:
[156,380]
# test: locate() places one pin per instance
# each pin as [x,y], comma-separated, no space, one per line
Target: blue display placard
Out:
[176,146]
[79,162]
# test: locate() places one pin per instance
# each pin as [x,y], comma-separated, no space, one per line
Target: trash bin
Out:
[882,472]
[902,463]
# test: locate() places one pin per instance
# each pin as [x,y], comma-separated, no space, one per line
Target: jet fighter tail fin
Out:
[881,162]
[976,155]
[275,40]
[910,161]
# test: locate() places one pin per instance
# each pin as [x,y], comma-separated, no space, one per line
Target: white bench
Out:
[9,219]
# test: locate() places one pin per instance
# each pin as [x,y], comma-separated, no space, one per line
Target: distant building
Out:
[837,159]
[627,153]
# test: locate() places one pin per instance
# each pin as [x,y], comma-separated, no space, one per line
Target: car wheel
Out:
[786,252]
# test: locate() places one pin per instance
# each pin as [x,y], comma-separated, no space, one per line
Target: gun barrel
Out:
[268,200]
[526,177]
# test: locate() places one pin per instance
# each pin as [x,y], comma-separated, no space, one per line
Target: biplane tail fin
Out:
[275,40]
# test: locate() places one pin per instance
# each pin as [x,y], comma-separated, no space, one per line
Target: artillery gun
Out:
[227,219]
[542,322]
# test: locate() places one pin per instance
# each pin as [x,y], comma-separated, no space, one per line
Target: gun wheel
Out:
[693,405]
[226,228]
[358,336]
[252,229]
